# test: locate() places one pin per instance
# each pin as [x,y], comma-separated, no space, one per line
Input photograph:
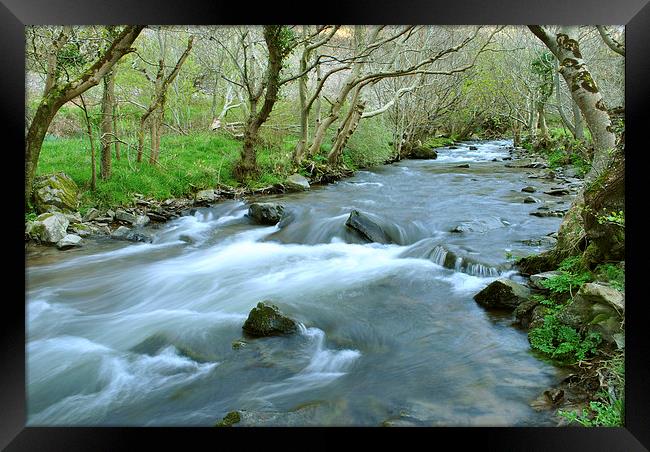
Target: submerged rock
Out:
[48,227]
[69,241]
[464,165]
[296,182]
[529,189]
[558,192]
[266,213]
[367,227]
[55,193]
[266,320]
[502,294]
[531,200]
[124,233]
[473,148]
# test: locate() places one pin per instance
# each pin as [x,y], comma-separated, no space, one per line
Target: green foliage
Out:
[612,274]
[31,216]
[572,275]
[369,146]
[617,218]
[438,142]
[599,414]
[561,342]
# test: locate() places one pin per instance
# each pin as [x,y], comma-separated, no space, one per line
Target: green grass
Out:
[438,142]
[187,164]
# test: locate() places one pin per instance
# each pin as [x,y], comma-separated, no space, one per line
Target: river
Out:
[122,333]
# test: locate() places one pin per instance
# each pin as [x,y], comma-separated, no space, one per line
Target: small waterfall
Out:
[448,259]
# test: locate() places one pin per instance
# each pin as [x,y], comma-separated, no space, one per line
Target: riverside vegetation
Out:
[133,128]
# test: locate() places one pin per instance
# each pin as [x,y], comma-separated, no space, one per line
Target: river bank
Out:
[373,314]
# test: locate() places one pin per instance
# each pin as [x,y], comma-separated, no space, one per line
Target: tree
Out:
[58,92]
[156,110]
[577,228]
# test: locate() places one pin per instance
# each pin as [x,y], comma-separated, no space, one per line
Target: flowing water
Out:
[126,333]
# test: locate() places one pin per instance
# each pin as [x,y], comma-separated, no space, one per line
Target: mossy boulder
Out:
[524,313]
[502,294]
[229,419]
[48,228]
[422,153]
[598,307]
[266,213]
[266,320]
[55,193]
[296,182]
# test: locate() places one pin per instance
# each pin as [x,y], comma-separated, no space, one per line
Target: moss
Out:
[229,419]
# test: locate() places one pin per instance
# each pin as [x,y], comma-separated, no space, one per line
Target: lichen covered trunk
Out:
[34,141]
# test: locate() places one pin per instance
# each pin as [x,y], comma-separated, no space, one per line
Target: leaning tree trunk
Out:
[57,95]
[574,233]
[107,125]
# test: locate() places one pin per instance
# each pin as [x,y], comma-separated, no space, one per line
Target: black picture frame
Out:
[15,14]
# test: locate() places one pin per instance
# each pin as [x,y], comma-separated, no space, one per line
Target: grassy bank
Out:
[187,164]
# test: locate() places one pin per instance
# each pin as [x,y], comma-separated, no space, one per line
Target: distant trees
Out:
[311,92]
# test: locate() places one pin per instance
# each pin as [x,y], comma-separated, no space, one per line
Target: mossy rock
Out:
[229,419]
[266,320]
[55,193]
[502,294]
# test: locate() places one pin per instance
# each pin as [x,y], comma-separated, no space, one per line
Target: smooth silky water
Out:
[123,333]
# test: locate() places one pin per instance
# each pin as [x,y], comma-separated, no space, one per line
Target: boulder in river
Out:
[124,233]
[266,320]
[526,163]
[502,294]
[266,213]
[55,193]
[48,227]
[367,227]
[529,189]
[422,153]
[229,419]
[473,148]
[69,241]
[464,165]
[524,313]
[558,192]
[531,200]
[296,182]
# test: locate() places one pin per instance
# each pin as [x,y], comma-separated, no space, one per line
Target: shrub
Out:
[561,342]
[572,275]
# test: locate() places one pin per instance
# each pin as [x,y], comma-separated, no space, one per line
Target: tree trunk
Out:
[572,235]
[34,140]
[584,92]
[577,120]
[247,167]
[58,95]
[115,132]
[108,99]
[516,134]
